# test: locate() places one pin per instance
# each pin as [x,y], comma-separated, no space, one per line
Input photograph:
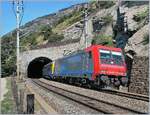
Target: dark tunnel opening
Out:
[35,67]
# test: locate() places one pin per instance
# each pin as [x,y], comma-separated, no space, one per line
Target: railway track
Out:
[124,94]
[127,94]
[95,104]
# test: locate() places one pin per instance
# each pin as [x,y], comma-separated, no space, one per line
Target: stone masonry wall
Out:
[140,76]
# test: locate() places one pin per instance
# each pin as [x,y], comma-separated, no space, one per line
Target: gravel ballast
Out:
[134,104]
[60,104]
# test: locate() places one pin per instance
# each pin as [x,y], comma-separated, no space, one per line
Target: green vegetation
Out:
[7,104]
[55,37]
[29,42]
[102,39]
[105,4]
[50,35]
[95,5]
[68,21]
[146,39]
[131,3]
[64,18]
[107,19]
[45,33]
[141,15]
[92,6]
[8,51]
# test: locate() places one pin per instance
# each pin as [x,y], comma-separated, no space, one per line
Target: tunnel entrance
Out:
[35,67]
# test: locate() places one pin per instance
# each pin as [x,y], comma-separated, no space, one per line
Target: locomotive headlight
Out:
[123,73]
[103,71]
[112,62]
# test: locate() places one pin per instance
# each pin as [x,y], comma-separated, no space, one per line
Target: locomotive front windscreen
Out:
[111,57]
[117,58]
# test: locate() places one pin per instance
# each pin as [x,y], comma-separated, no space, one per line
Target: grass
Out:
[7,104]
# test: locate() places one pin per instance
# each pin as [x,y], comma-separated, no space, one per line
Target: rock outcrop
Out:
[136,42]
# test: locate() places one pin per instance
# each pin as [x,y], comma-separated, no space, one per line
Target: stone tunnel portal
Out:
[35,67]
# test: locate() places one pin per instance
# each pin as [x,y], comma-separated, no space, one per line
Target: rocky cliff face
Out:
[137,43]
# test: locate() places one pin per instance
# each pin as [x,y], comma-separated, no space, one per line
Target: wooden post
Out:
[21,100]
[30,103]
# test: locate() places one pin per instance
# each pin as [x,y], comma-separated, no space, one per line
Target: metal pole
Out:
[85,26]
[18,11]
[17,18]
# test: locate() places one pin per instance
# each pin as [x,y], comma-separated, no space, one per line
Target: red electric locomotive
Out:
[108,65]
[98,65]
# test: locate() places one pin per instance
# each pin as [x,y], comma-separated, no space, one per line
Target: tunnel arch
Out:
[34,69]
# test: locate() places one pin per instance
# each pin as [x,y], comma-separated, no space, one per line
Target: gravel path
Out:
[62,105]
[3,89]
[123,101]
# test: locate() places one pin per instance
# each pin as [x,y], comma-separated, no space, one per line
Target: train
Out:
[96,65]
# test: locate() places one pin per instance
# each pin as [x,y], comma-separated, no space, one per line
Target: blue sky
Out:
[32,10]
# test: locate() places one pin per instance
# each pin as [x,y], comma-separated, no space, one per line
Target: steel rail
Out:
[127,94]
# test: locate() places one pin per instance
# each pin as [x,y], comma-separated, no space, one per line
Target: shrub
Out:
[102,39]
[8,56]
[73,18]
[65,17]
[107,19]
[105,4]
[46,31]
[141,15]
[55,37]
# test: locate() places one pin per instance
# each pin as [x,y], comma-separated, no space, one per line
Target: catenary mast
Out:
[18,11]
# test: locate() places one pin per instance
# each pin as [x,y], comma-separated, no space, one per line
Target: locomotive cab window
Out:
[111,57]
[117,58]
[105,56]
